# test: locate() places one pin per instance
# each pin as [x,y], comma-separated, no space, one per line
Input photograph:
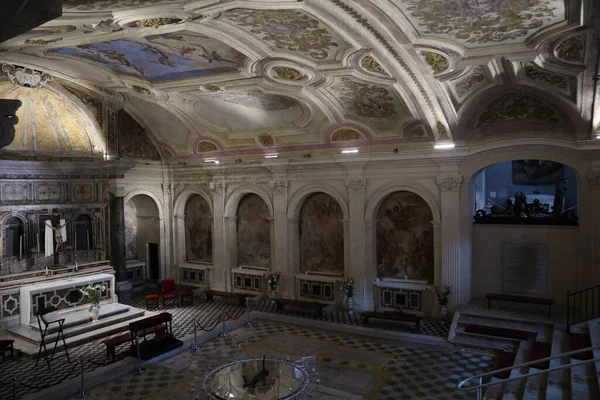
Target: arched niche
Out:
[321,235]
[14,237]
[404,238]
[144,233]
[198,230]
[253,232]
[83,232]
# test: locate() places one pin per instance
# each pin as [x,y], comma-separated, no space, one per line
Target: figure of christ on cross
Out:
[58,239]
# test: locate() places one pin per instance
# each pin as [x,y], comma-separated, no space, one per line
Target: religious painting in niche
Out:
[14,231]
[130,231]
[253,232]
[321,235]
[83,237]
[536,172]
[405,238]
[198,230]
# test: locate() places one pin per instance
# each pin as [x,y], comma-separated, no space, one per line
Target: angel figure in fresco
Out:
[111,56]
[163,58]
[211,56]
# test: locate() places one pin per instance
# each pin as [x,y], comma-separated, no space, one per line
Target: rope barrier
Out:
[211,328]
[30,387]
[105,364]
[236,317]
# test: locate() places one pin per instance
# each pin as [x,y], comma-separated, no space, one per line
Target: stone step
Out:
[81,316]
[483,341]
[558,383]
[594,329]
[542,330]
[514,389]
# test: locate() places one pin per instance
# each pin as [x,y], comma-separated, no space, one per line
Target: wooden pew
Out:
[113,342]
[309,305]
[239,297]
[520,299]
[393,316]
[150,348]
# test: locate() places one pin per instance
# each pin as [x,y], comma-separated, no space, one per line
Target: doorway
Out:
[153,263]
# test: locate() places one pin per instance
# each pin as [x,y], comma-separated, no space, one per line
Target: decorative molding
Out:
[437,62]
[266,140]
[218,187]
[472,80]
[156,22]
[536,73]
[371,65]
[206,147]
[356,185]
[279,186]
[167,189]
[26,77]
[212,88]
[516,107]
[288,74]
[142,90]
[450,183]
[571,49]
[345,135]
[42,41]
[594,178]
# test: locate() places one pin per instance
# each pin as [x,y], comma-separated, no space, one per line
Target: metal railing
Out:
[480,377]
[583,305]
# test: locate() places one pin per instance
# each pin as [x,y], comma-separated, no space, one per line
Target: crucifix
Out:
[56,228]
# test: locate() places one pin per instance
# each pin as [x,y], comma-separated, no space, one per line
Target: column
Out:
[217,276]
[293,250]
[356,230]
[279,241]
[118,258]
[594,178]
[450,233]
[167,246]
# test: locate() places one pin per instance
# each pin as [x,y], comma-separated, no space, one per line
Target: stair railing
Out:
[583,305]
[480,377]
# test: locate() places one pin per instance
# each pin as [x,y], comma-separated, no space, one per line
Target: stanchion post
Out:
[194,346]
[248,312]
[81,393]
[223,318]
[138,370]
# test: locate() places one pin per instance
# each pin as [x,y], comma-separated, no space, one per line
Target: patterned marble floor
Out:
[349,367]
[29,377]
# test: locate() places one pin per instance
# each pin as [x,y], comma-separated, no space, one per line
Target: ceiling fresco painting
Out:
[108,5]
[157,58]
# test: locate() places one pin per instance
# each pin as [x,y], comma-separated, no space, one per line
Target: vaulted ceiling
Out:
[217,78]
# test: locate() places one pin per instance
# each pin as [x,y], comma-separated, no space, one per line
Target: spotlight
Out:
[446,145]
[272,156]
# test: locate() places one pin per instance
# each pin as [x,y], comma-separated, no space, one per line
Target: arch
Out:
[14,235]
[233,201]
[135,192]
[382,193]
[181,201]
[83,239]
[253,232]
[197,230]
[301,195]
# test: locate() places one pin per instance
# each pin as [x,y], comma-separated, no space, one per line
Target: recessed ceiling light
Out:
[272,156]
[349,151]
[211,160]
[597,136]
[447,145]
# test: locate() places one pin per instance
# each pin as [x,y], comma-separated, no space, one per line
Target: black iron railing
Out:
[583,305]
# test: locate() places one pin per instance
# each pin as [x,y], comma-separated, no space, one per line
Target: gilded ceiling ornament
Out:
[516,107]
[536,73]
[437,62]
[206,147]
[571,49]
[345,135]
[293,30]
[156,22]
[371,65]
[288,74]
[482,21]
[142,90]
[212,88]
[266,140]
[26,77]
[42,41]
[471,81]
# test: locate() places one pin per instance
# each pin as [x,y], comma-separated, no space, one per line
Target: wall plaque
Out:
[524,268]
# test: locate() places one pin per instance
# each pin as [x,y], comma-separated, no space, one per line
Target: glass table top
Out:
[256,379]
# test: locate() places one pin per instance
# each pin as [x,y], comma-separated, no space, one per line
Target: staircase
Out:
[517,339]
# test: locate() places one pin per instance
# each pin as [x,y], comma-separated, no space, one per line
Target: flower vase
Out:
[95,313]
[273,293]
[349,303]
[444,312]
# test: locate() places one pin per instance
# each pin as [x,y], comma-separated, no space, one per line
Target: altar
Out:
[409,295]
[62,294]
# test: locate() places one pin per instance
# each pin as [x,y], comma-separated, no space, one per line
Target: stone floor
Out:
[30,378]
[349,366]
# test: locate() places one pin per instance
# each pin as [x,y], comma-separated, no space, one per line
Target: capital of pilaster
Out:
[116,187]
[167,188]
[356,185]
[279,186]
[218,187]
[594,178]
[450,183]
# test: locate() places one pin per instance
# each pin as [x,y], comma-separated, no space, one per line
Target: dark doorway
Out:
[153,263]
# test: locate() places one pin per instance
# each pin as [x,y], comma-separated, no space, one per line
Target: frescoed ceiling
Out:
[229,78]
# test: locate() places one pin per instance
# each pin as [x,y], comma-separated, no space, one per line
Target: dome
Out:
[51,123]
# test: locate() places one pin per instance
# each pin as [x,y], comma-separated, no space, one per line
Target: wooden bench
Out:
[239,297]
[113,342]
[147,349]
[394,316]
[309,305]
[520,299]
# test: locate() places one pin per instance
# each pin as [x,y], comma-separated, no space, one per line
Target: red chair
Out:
[186,296]
[152,301]
[169,292]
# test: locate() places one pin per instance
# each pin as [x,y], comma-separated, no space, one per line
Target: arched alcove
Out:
[321,232]
[14,234]
[404,236]
[253,232]
[83,230]
[198,230]
[143,233]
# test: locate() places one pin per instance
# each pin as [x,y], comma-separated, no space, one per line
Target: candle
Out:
[38,242]
[21,246]
[88,239]
[75,240]
[46,270]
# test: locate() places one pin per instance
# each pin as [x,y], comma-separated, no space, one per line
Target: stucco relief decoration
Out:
[536,73]
[482,21]
[571,49]
[450,183]
[92,104]
[516,107]
[288,74]
[594,178]
[13,192]
[321,235]
[82,192]
[48,192]
[369,103]
[218,187]
[107,5]
[437,62]
[156,22]
[291,30]
[206,147]
[253,232]
[473,80]
[371,65]
[198,230]
[345,135]
[279,187]
[26,77]
[42,42]
[266,140]
[356,185]
[130,231]
[405,238]
[142,90]
[212,88]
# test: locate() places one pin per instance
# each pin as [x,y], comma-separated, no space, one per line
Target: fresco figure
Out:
[198,230]
[253,232]
[321,235]
[405,238]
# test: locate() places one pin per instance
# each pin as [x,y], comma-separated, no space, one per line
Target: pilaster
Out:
[279,242]
[356,254]
[450,237]
[594,179]
[217,275]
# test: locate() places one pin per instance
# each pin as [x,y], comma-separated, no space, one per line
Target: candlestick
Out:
[88,239]
[75,240]
[46,270]
[21,246]
[38,242]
